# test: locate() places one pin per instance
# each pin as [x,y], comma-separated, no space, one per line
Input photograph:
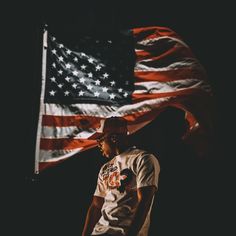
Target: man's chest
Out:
[118,175]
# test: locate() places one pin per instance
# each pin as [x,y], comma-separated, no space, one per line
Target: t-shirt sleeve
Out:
[147,172]
[100,190]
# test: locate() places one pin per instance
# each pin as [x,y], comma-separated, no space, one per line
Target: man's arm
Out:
[93,215]
[145,196]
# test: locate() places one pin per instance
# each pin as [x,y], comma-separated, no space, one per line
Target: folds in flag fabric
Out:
[134,74]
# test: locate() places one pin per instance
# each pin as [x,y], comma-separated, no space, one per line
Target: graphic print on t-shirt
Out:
[115,179]
[125,180]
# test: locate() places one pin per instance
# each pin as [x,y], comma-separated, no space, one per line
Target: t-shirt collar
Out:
[119,157]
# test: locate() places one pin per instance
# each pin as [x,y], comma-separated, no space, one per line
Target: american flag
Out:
[134,74]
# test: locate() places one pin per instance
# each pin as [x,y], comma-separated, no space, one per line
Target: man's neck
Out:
[122,149]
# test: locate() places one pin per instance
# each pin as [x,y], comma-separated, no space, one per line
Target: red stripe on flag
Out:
[172,53]
[165,76]
[45,165]
[153,32]
[65,144]
[59,119]
[76,120]
[138,97]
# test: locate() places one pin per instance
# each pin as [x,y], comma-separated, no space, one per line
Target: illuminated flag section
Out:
[134,74]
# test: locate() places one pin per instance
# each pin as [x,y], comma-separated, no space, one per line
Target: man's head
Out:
[111,135]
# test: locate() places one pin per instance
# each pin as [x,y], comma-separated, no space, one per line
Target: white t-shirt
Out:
[118,181]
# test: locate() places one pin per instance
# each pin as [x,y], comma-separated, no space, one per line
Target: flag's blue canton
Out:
[99,71]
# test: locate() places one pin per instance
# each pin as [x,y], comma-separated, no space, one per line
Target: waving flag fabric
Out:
[134,74]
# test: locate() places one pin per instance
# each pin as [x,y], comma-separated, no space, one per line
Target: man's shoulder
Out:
[140,152]
[143,161]
[140,155]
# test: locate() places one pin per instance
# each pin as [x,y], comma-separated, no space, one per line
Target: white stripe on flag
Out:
[161,87]
[78,109]
[151,41]
[57,155]
[147,65]
[65,132]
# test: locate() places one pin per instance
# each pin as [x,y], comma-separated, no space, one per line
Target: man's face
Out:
[107,146]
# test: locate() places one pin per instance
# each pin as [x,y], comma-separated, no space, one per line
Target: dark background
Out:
[55,202]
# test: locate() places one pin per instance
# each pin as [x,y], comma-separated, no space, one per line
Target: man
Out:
[126,185]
